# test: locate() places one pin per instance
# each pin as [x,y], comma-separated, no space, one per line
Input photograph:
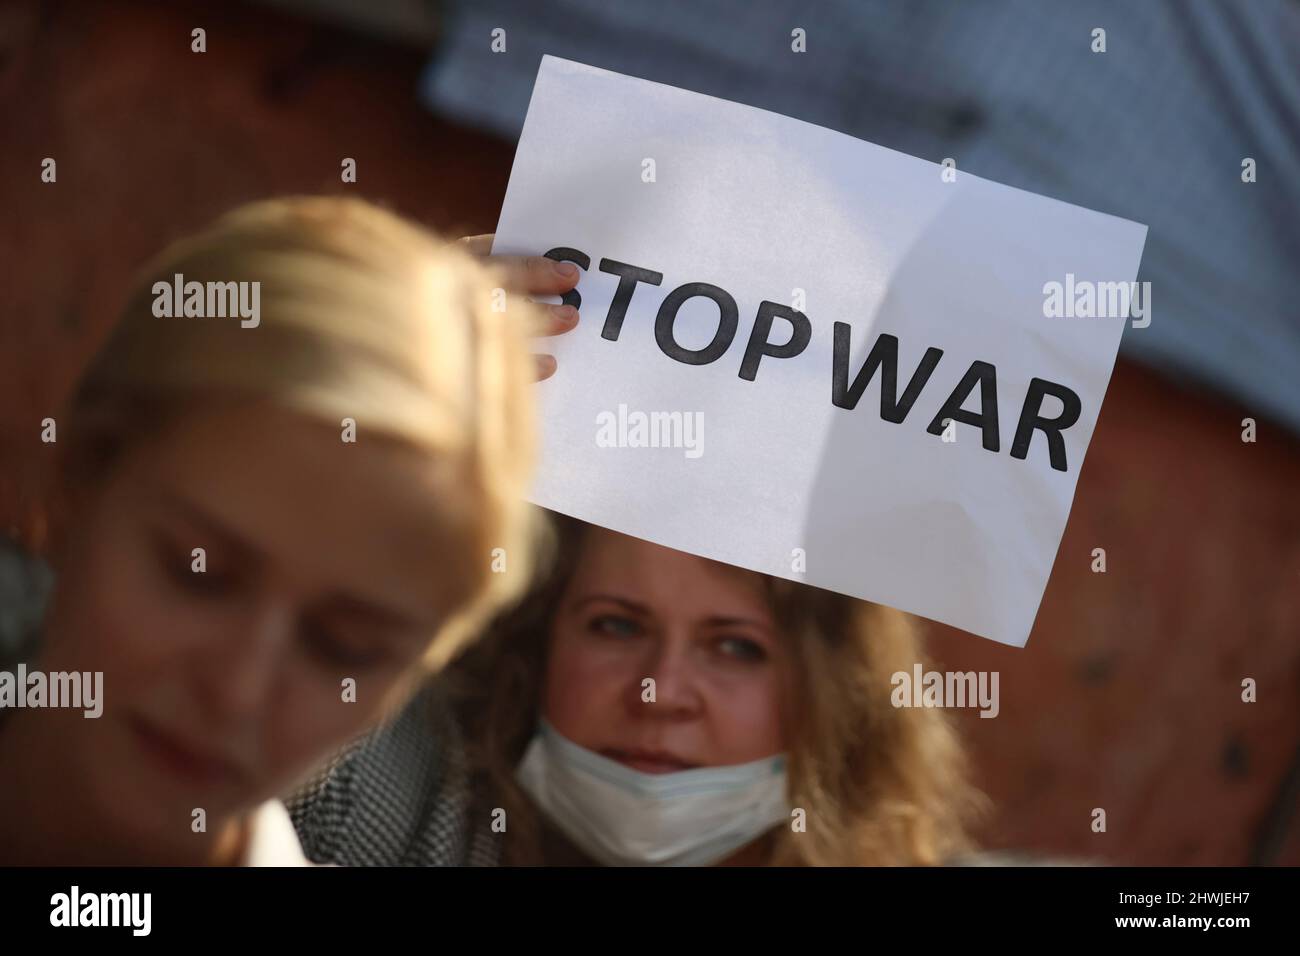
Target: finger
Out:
[545,366]
[537,275]
[478,245]
[561,318]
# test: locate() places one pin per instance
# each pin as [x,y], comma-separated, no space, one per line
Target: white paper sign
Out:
[751,281]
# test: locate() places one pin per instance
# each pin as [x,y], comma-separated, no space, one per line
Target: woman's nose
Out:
[668,686]
[236,678]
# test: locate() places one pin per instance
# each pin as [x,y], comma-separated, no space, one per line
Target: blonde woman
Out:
[265,527]
[647,707]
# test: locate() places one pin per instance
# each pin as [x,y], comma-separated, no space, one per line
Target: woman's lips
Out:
[182,759]
[648,761]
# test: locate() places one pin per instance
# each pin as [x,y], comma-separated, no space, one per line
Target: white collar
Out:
[272,840]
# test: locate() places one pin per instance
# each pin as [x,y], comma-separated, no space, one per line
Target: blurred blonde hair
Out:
[879,785]
[364,315]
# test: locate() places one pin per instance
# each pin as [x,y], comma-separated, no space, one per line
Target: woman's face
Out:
[703,632]
[222,687]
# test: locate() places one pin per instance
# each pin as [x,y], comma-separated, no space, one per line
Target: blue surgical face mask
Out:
[623,817]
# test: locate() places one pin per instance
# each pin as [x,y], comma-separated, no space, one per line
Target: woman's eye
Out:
[614,625]
[333,651]
[742,649]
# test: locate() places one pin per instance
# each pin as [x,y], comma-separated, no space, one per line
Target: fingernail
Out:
[564,313]
[567,269]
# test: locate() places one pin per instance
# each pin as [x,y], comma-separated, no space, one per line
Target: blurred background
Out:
[1128,695]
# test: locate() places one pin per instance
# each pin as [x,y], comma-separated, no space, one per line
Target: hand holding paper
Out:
[534,275]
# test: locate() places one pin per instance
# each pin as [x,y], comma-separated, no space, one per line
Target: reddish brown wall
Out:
[1128,695]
